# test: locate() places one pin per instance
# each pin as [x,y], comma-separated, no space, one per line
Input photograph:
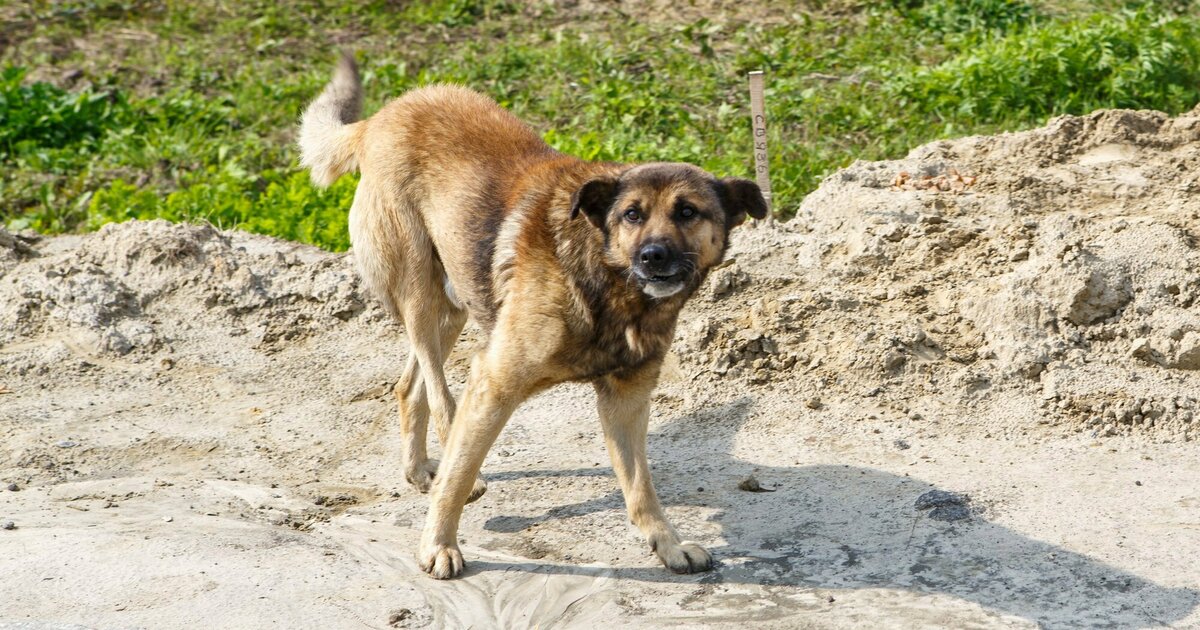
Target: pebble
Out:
[947,506]
[168,519]
[750,484]
[893,359]
[8,525]
[66,444]
[813,403]
[12,487]
[902,445]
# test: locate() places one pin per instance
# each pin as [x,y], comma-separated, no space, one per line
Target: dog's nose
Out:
[654,255]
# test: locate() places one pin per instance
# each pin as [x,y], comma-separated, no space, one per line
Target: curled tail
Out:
[329,134]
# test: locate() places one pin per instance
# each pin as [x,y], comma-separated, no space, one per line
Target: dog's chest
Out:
[614,349]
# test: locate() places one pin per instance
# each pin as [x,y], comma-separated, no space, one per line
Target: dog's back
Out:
[440,165]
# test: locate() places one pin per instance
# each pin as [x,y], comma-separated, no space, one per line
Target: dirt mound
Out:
[141,286]
[1052,278]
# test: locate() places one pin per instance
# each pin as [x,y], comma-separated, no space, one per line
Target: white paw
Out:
[685,557]
[441,561]
[477,490]
[421,475]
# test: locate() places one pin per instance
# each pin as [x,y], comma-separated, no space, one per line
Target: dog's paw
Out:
[685,557]
[441,561]
[421,475]
[477,490]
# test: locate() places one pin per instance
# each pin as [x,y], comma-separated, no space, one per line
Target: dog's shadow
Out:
[845,527]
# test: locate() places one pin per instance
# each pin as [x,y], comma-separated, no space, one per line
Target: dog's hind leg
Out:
[396,260]
[414,423]
[411,394]
[432,335]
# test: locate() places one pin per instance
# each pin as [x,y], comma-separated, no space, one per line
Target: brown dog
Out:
[575,271]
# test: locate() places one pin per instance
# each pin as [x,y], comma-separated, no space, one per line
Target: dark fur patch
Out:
[594,199]
[740,197]
[484,233]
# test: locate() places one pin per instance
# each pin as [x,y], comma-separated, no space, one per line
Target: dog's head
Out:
[666,224]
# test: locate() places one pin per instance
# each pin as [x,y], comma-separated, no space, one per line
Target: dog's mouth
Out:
[662,285]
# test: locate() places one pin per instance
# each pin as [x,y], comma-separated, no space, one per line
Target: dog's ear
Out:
[740,197]
[594,199]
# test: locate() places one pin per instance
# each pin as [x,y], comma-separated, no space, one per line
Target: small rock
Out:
[66,444]
[893,359]
[1188,355]
[12,487]
[8,525]
[947,506]
[750,484]
[168,519]
[399,616]
[813,403]
[949,513]
[726,279]
[902,445]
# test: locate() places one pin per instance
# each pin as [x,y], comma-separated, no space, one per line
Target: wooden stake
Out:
[758,113]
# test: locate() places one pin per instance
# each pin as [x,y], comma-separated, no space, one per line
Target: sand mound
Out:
[142,285]
[1047,277]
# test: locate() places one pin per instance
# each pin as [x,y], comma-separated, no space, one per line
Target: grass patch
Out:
[1132,59]
[112,110]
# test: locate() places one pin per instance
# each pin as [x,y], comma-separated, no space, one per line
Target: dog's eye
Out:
[632,215]
[687,211]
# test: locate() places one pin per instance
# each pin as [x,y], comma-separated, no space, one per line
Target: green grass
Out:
[120,109]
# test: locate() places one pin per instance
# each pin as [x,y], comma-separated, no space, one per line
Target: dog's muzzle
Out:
[660,269]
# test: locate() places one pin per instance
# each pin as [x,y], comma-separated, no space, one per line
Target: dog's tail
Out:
[329,133]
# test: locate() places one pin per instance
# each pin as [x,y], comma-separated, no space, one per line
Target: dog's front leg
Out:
[625,413]
[487,402]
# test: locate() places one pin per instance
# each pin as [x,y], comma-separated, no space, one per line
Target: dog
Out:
[574,271]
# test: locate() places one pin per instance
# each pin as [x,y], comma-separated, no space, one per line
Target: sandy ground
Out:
[200,431]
